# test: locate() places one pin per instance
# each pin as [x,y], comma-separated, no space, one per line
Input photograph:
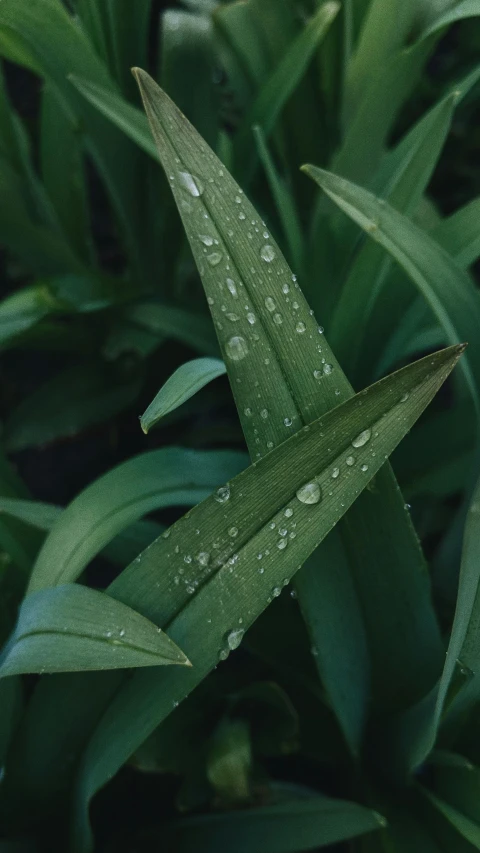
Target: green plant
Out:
[348,671]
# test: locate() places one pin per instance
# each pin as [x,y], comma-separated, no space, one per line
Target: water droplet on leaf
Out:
[267,253]
[310,493]
[222,494]
[190,184]
[362,439]
[235,638]
[236,348]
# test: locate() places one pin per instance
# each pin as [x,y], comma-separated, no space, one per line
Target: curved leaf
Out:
[288,827]
[183,384]
[167,477]
[448,290]
[72,628]
[461,10]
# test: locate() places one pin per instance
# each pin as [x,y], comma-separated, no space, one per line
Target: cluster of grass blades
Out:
[284,647]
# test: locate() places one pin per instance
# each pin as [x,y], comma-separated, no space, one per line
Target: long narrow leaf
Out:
[277,340]
[72,628]
[282,82]
[158,478]
[293,485]
[448,290]
[288,827]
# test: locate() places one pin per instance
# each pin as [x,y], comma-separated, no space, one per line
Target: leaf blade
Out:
[73,628]
[187,380]
[447,289]
[237,582]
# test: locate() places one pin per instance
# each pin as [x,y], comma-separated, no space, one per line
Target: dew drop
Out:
[190,184]
[210,300]
[278,319]
[234,639]
[224,654]
[190,589]
[364,468]
[236,348]
[277,590]
[264,414]
[285,288]
[288,422]
[293,593]
[327,369]
[203,558]
[321,330]
[247,412]
[241,215]
[350,460]
[404,397]
[288,512]
[206,240]
[362,439]
[335,473]
[267,253]
[233,532]
[231,287]
[214,259]
[251,318]
[301,327]
[232,317]
[222,494]
[269,304]
[310,493]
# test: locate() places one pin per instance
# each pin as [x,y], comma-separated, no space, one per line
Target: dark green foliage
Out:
[151,244]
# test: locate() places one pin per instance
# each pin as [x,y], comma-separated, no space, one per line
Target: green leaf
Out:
[462,652]
[461,10]
[121,550]
[284,79]
[158,478]
[447,289]
[459,234]
[467,828]
[38,25]
[384,32]
[38,514]
[127,31]
[456,781]
[187,54]
[463,645]
[402,180]
[183,384]
[287,827]
[64,294]
[41,249]
[129,119]
[241,520]
[283,200]
[297,378]
[73,628]
[63,172]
